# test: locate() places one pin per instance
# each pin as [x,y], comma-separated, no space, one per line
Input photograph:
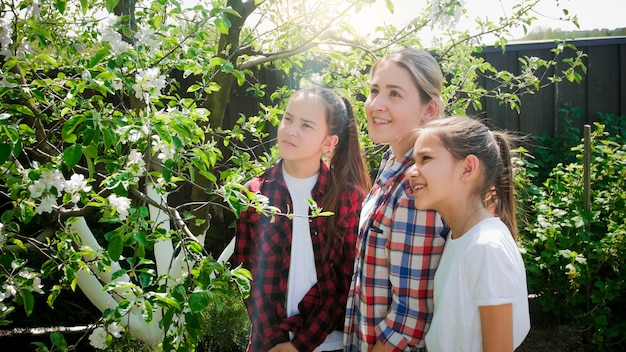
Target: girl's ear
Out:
[329,143]
[471,168]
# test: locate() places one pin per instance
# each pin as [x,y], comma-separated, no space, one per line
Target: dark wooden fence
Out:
[602,90]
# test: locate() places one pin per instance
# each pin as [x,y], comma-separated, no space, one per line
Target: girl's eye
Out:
[373,91]
[306,125]
[393,93]
[421,159]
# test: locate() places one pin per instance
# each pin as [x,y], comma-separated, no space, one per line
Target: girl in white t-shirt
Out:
[463,171]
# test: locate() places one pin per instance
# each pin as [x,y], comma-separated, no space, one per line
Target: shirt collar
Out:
[394,168]
[275,174]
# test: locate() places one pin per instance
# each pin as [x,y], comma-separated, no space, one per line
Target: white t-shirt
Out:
[481,268]
[302,271]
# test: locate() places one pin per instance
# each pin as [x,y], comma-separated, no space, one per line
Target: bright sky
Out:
[592,14]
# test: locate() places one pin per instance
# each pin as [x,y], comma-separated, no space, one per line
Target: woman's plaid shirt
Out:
[398,250]
[264,248]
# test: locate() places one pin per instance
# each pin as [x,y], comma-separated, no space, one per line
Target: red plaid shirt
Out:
[264,248]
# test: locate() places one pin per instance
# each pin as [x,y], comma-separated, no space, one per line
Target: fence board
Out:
[603,80]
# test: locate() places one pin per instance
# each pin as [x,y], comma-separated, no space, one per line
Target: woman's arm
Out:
[496,323]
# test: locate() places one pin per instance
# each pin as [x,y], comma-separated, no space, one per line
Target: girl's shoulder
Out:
[270,177]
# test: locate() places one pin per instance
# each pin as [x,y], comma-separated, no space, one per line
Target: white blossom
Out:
[24,48]
[112,36]
[164,151]
[441,15]
[135,158]
[37,189]
[98,338]
[75,185]
[115,330]
[148,83]
[48,203]
[120,204]
[54,179]
[136,164]
[9,290]
[146,37]
[5,38]
[37,285]
[117,83]
[134,135]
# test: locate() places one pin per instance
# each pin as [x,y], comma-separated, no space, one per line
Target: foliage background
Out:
[120,171]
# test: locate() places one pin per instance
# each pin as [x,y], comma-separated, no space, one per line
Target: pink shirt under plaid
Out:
[398,249]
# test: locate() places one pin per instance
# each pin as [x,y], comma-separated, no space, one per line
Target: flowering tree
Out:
[96,134]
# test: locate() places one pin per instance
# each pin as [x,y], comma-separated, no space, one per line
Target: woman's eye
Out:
[393,93]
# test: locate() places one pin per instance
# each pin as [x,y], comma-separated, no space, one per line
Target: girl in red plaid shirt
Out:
[301,267]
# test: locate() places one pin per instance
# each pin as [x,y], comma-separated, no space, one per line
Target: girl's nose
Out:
[291,130]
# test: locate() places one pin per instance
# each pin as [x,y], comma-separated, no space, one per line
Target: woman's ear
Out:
[431,111]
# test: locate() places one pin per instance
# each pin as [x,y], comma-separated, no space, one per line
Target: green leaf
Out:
[118,274]
[111,4]
[115,247]
[222,24]
[60,5]
[5,152]
[166,302]
[389,5]
[100,54]
[24,110]
[28,300]
[198,301]
[67,132]
[84,6]
[58,340]
[217,61]
[72,155]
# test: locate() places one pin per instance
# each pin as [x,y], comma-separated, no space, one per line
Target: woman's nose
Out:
[376,103]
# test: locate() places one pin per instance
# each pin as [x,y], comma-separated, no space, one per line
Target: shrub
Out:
[226,326]
[575,257]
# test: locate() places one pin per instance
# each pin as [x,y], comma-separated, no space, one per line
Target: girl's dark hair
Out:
[463,136]
[347,163]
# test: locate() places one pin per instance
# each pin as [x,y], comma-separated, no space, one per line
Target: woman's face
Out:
[303,130]
[394,107]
